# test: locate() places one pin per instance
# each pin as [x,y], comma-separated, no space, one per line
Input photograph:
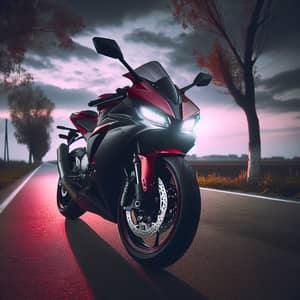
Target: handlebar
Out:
[120,94]
[93,102]
[63,136]
[66,128]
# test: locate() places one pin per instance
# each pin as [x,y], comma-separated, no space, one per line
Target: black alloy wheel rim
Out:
[155,243]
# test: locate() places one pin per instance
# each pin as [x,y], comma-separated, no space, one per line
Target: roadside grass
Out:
[10,172]
[269,184]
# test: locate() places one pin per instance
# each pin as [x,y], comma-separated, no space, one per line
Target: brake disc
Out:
[144,230]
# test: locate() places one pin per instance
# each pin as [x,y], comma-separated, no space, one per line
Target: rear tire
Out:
[186,220]
[66,206]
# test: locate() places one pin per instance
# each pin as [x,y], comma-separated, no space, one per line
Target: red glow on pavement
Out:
[36,260]
[46,257]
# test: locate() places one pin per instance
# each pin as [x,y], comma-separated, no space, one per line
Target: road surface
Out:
[245,248]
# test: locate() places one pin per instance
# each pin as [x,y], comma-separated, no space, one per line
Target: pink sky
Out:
[223,128]
[221,131]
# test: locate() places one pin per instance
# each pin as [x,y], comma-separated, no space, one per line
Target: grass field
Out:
[278,179]
[10,172]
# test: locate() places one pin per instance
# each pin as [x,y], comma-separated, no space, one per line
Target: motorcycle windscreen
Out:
[160,80]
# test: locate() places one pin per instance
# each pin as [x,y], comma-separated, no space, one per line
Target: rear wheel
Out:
[158,234]
[66,205]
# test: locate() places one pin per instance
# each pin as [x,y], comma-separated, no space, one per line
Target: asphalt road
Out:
[245,248]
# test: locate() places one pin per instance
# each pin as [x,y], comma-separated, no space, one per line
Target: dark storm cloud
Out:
[282,82]
[63,98]
[46,48]
[67,98]
[78,51]
[38,62]
[141,35]
[270,88]
[114,12]
[284,27]
[182,47]
[187,45]
[279,39]
[265,100]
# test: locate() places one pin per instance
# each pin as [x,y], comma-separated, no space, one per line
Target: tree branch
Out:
[252,31]
[220,27]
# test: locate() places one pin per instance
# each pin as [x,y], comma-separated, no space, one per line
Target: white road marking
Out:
[11,197]
[251,195]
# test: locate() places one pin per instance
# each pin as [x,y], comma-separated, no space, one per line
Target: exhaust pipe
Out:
[63,166]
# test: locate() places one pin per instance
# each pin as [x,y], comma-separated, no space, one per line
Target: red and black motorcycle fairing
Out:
[132,170]
[109,140]
[120,132]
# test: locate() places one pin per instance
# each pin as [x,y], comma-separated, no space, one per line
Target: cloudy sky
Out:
[147,30]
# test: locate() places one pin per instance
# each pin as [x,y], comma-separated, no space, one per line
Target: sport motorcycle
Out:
[133,170]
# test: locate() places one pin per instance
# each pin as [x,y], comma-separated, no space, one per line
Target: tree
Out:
[231,61]
[30,111]
[22,25]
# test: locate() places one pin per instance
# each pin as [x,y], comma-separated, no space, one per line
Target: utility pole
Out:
[6,152]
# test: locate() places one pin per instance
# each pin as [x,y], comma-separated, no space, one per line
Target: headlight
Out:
[191,126]
[153,117]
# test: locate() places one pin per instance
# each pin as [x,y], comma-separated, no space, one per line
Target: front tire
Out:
[183,194]
[66,206]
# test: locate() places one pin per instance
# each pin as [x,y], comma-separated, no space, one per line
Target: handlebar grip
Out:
[94,102]
[63,136]
[66,128]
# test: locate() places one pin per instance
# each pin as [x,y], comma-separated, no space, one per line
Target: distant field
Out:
[234,168]
[278,178]
[9,172]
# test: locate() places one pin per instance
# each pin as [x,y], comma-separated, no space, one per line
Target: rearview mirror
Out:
[202,79]
[107,47]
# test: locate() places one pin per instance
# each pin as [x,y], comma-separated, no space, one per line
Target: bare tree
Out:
[232,61]
[30,111]
[22,24]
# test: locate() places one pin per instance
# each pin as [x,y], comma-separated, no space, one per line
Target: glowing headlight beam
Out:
[154,117]
[191,126]
[188,125]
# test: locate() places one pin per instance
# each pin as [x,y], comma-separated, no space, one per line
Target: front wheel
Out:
[158,234]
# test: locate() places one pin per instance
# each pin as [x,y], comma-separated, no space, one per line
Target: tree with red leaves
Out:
[232,63]
[22,24]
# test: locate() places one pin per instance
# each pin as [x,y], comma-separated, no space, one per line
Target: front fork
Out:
[144,168]
[138,186]
[138,200]
[144,171]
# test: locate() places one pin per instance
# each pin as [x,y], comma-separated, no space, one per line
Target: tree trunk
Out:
[253,171]
[30,156]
